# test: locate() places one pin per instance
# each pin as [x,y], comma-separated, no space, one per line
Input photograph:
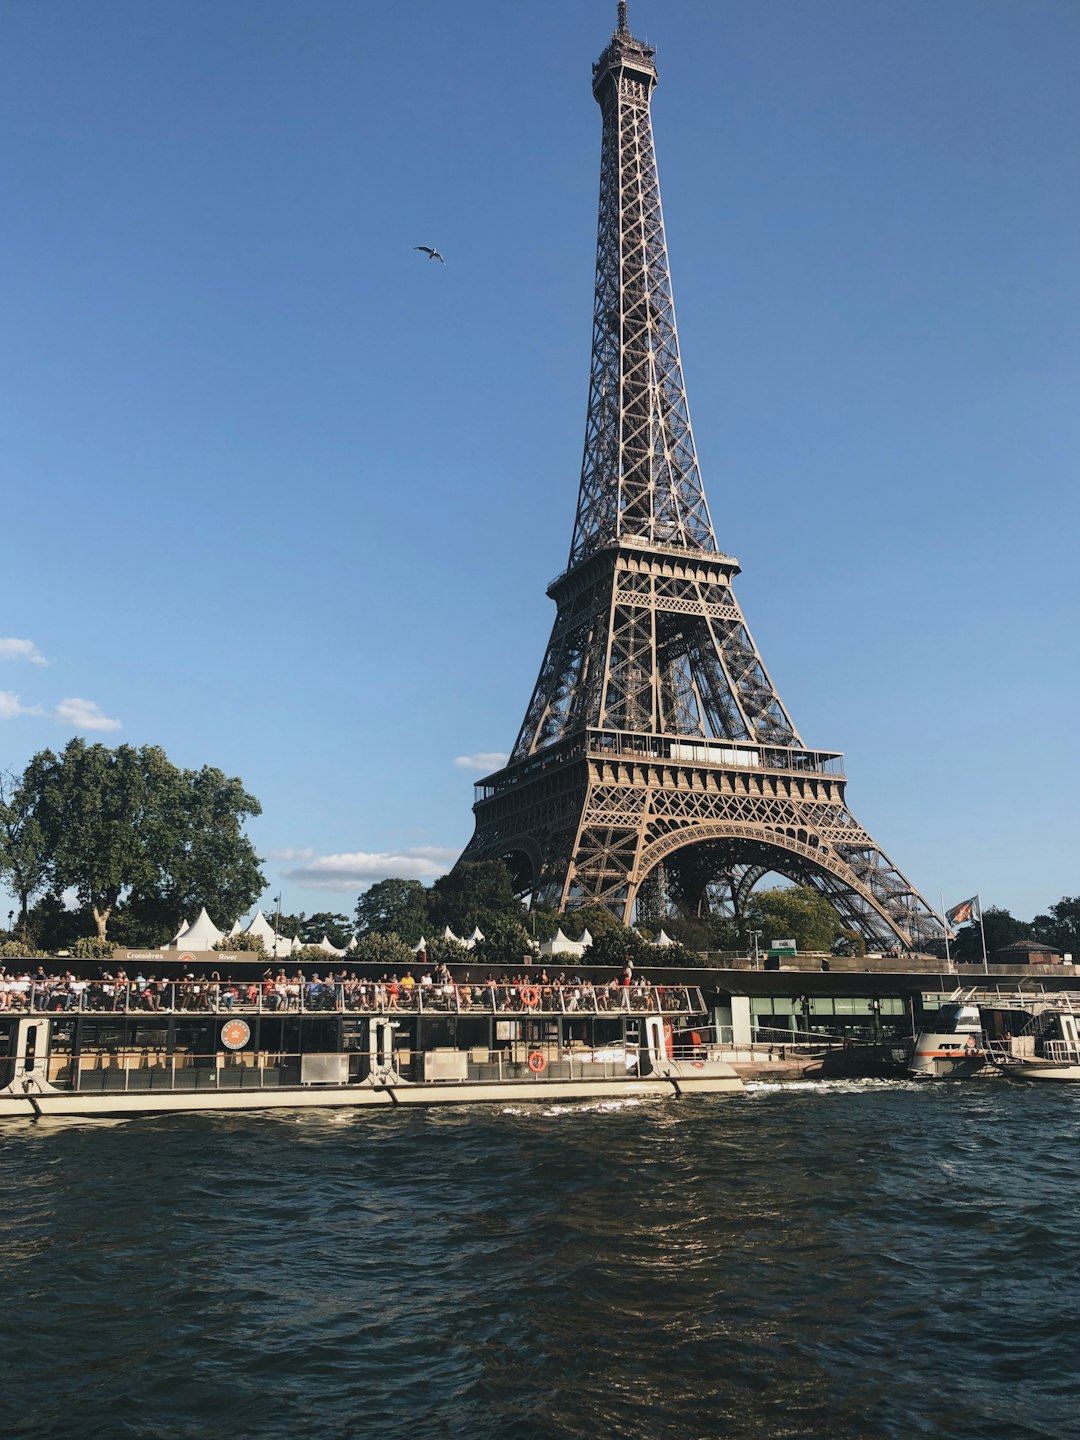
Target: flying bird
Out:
[430,253]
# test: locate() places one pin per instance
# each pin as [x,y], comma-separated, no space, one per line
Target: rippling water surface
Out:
[835,1260]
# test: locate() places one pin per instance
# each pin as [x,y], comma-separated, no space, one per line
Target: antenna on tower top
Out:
[624,24]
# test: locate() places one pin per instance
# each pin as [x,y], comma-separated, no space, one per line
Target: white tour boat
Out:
[257,1045]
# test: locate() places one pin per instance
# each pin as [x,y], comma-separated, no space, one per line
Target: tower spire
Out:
[624,23]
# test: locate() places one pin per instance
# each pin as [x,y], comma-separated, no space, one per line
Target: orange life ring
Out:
[669,1040]
[530,996]
[537,1062]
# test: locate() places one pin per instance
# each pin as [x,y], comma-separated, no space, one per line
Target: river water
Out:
[849,1259]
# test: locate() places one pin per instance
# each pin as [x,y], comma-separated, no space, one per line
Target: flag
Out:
[965,911]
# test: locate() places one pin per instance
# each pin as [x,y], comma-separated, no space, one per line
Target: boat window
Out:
[61,1037]
[354,1034]
[194,1037]
[7,1029]
[607,1032]
[95,1034]
[436,1032]
[472,1031]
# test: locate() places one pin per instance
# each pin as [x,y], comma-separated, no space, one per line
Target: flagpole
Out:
[948,957]
[982,932]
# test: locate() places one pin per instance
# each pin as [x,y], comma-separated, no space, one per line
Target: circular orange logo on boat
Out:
[235,1034]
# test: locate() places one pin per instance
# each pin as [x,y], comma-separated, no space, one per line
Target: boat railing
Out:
[1061,1052]
[356,996]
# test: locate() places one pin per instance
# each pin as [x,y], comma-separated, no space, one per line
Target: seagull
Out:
[430,253]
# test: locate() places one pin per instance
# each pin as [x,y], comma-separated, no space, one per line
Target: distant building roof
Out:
[1028,947]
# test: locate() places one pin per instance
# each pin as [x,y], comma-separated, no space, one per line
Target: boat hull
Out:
[65,1104]
[1033,1070]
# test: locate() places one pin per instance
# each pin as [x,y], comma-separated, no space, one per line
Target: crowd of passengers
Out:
[336,990]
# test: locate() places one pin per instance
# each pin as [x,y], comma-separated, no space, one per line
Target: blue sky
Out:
[282,496]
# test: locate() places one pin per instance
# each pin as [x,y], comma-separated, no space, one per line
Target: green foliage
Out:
[474,893]
[389,951]
[441,951]
[542,921]
[337,928]
[127,822]
[311,955]
[53,927]
[849,942]
[792,912]
[24,854]
[597,919]
[612,949]
[393,907]
[19,950]
[1061,926]
[92,947]
[505,942]
[234,943]
[1001,929]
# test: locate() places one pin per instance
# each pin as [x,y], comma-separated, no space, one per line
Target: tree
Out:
[127,822]
[387,950]
[1061,927]
[506,942]
[792,912]
[597,919]
[24,855]
[393,907]
[1001,929]
[474,893]
[336,927]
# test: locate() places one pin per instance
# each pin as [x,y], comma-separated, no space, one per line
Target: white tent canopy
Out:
[663,939]
[560,944]
[328,949]
[275,945]
[201,934]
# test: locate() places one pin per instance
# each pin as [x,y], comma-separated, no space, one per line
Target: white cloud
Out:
[85,715]
[357,869]
[304,854]
[12,649]
[486,761]
[11,706]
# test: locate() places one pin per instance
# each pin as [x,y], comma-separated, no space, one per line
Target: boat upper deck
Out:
[298,995]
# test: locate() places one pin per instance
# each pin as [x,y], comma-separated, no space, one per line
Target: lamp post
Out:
[755,935]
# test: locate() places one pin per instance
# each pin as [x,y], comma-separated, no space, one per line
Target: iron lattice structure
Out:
[655,747]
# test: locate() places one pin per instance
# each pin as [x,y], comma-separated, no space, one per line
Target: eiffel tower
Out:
[656,756]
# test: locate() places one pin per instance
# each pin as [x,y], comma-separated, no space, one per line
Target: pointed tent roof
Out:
[663,939]
[560,944]
[421,944]
[237,929]
[184,928]
[325,946]
[276,946]
[476,936]
[448,934]
[201,934]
